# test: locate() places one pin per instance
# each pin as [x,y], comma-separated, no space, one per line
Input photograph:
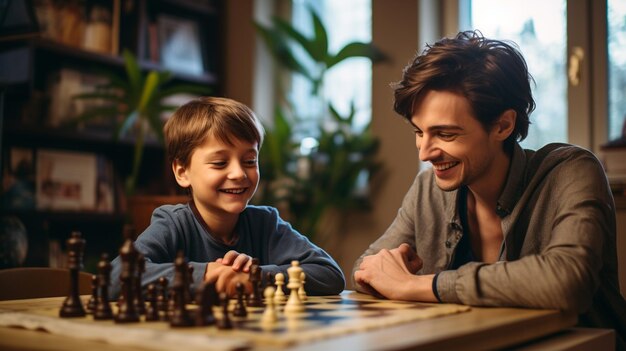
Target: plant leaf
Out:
[321,38]
[281,52]
[129,121]
[149,89]
[132,70]
[356,49]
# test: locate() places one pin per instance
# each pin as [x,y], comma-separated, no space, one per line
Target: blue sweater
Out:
[262,234]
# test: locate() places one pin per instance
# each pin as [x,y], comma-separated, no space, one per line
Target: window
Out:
[350,81]
[551,34]
[538,28]
[617,67]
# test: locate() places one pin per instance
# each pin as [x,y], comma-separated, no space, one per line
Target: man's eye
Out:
[447,136]
[418,132]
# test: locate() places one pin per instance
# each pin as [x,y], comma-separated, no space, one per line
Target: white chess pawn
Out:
[269,315]
[279,295]
[294,305]
[301,291]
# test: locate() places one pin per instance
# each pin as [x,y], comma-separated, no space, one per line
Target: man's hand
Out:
[238,261]
[411,260]
[391,273]
[226,278]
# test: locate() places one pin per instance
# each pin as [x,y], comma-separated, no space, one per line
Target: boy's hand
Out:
[238,261]
[226,278]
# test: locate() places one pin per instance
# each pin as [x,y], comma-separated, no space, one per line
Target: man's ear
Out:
[505,124]
[180,172]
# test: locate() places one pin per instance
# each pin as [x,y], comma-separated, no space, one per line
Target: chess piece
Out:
[180,315]
[294,305]
[91,304]
[152,312]
[162,294]
[206,298]
[301,291]
[279,295]
[269,280]
[255,299]
[224,322]
[73,306]
[240,308]
[269,315]
[139,301]
[103,306]
[189,283]
[127,312]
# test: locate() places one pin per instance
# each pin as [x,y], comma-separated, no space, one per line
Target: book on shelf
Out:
[92,26]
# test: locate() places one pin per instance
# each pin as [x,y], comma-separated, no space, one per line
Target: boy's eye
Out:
[250,163]
[218,164]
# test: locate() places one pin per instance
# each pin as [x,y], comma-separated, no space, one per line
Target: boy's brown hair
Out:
[192,123]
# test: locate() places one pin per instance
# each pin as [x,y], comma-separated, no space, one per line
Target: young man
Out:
[491,224]
[213,145]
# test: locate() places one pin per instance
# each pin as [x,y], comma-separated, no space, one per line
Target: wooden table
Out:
[479,328]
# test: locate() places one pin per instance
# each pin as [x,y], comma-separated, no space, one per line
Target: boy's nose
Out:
[237,172]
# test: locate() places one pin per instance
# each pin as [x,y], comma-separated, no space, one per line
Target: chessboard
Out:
[169,317]
[323,317]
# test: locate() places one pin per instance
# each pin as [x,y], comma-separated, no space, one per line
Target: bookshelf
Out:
[63,52]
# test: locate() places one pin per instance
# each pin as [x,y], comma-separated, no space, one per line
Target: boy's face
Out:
[448,136]
[223,178]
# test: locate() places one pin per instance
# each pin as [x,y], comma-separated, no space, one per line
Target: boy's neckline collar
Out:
[235,237]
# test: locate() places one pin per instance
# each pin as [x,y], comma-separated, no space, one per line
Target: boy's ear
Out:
[505,124]
[180,172]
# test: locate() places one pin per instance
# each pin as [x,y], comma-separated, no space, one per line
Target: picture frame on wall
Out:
[66,180]
[180,44]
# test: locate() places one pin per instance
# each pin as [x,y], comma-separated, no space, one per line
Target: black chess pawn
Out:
[224,322]
[73,306]
[103,306]
[255,299]
[240,308]
[162,293]
[152,312]
[91,304]
[162,298]
[205,297]
[127,312]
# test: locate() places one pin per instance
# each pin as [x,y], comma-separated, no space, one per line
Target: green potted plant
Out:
[329,179]
[135,102]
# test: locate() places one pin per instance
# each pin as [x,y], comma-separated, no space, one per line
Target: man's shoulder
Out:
[558,153]
[558,159]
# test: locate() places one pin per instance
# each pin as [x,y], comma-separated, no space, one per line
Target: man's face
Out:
[448,136]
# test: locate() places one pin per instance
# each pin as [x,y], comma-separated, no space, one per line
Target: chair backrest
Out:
[35,282]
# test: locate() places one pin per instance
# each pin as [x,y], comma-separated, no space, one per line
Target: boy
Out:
[213,145]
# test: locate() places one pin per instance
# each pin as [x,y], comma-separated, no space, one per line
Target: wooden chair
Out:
[35,282]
